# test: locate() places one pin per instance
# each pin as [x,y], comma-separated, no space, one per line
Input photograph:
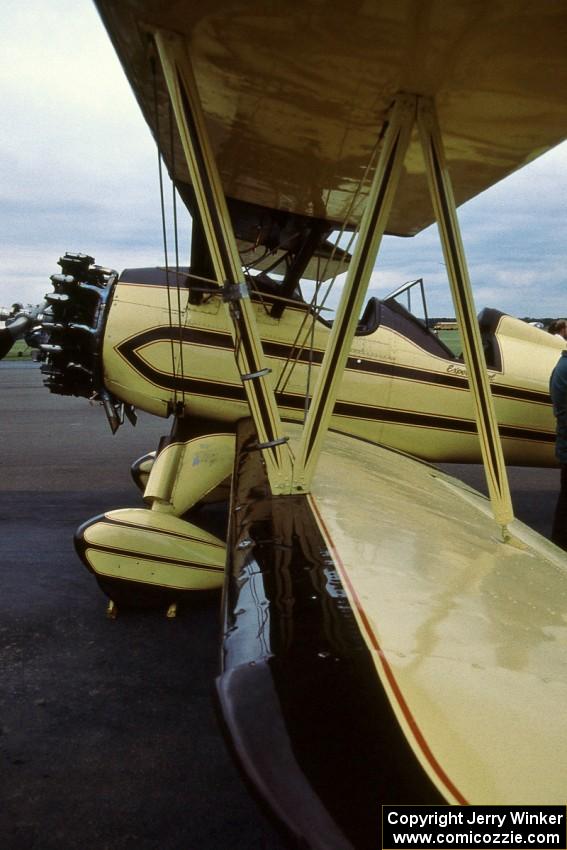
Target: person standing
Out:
[558,392]
[558,328]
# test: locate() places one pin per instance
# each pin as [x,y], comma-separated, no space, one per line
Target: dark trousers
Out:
[559,530]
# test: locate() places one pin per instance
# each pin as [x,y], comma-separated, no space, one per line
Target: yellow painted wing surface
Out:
[383,644]
[295,94]
[468,633]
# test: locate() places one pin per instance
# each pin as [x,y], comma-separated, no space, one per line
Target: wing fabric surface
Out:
[296,94]
[309,719]
[467,632]
[380,645]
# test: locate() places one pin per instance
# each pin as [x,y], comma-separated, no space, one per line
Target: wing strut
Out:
[253,368]
[446,214]
[250,358]
[372,227]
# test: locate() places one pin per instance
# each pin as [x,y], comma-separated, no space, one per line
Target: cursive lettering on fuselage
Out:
[461,371]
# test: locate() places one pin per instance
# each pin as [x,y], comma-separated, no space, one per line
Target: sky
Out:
[79,172]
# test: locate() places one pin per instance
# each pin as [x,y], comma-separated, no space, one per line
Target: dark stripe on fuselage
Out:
[371,413]
[223,340]
[283,350]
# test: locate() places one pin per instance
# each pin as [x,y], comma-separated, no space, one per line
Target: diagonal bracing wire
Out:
[306,332]
[163,224]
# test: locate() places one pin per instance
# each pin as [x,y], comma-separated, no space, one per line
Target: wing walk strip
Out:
[381,661]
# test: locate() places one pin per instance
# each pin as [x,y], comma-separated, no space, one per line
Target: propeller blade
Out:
[15,330]
[6,342]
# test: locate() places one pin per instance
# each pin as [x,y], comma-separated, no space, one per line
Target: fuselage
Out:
[402,387]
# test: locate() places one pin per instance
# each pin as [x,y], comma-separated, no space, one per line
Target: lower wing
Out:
[384,643]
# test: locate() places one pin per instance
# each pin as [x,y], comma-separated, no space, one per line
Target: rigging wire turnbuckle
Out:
[234,291]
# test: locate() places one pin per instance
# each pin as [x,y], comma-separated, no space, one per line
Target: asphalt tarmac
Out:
[108,731]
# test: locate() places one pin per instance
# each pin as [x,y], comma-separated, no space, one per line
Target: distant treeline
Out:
[544,322]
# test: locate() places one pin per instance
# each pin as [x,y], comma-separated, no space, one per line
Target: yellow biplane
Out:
[389,634]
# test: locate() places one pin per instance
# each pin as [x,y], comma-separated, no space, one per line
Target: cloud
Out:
[513,236]
[79,167]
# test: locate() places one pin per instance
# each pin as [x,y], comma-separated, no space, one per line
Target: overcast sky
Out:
[78,172]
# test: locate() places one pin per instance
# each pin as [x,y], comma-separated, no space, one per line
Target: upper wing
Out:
[296,93]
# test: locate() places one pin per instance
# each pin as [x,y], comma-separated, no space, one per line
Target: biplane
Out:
[403,387]
[389,635]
